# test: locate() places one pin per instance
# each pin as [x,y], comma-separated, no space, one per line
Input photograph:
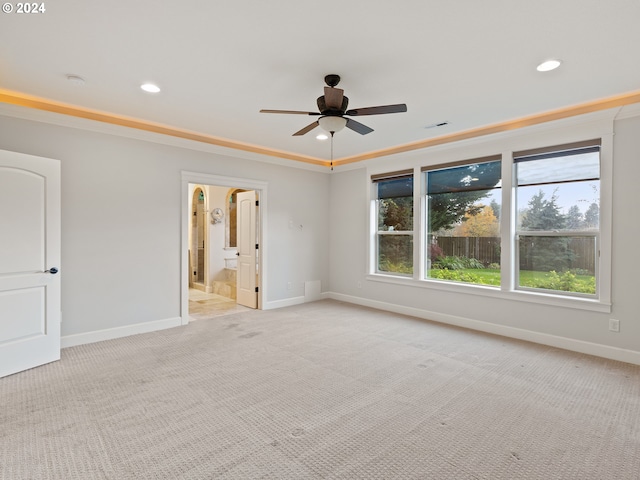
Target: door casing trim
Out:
[260,187]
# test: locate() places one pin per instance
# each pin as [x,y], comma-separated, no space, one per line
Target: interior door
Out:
[29,261]
[247,281]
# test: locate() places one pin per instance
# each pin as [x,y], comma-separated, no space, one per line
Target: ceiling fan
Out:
[332,108]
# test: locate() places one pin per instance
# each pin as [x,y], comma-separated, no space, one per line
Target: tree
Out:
[544,253]
[454,192]
[574,218]
[592,216]
[483,224]
[543,214]
[495,206]
[395,252]
[396,214]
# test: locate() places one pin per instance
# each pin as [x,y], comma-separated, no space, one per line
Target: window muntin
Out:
[557,225]
[394,224]
[463,222]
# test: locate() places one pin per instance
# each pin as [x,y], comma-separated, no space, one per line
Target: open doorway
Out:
[223,254]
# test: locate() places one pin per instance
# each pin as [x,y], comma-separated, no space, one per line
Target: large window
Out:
[463,205]
[394,220]
[528,224]
[558,218]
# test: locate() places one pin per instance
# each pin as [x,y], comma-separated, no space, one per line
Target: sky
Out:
[582,194]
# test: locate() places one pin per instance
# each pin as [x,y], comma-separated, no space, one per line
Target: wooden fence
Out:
[487,250]
[484,249]
[572,253]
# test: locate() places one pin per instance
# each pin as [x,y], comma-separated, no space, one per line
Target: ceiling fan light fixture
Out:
[332,106]
[322,136]
[332,123]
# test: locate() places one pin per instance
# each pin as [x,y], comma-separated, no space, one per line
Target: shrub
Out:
[448,263]
[457,263]
[386,265]
[435,252]
[455,275]
[580,271]
[566,282]
[472,263]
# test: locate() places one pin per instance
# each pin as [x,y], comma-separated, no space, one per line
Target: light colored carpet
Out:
[321,390]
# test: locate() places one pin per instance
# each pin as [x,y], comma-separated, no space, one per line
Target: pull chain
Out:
[332,150]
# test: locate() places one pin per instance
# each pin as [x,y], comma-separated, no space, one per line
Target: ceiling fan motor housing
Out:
[322,106]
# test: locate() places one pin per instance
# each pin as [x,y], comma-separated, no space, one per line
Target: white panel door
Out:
[29,261]
[247,251]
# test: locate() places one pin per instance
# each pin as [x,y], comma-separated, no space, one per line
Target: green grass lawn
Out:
[545,280]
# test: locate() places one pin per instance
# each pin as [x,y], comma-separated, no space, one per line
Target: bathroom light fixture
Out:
[150,88]
[548,65]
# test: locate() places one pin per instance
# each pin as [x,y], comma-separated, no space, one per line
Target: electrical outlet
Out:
[289,286]
[359,284]
[614,325]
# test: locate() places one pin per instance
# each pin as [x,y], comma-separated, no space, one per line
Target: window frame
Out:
[375,180]
[506,148]
[556,152]
[450,165]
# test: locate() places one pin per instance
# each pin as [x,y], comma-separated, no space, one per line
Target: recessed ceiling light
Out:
[150,88]
[322,136]
[548,65]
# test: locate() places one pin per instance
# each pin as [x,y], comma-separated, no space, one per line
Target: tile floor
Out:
[204,305]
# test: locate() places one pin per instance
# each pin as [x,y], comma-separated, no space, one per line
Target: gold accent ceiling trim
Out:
[590,107]
[23,100]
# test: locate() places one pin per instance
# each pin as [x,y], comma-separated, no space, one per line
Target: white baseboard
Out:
[287,302]
[118,332]
[596,349]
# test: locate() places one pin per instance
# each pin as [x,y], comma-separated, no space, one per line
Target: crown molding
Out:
[630,103]
[553,115]
[43,105]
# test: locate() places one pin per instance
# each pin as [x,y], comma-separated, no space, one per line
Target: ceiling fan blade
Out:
[333,97]
[306,129]
[294,112]
[358,127]
[398,108]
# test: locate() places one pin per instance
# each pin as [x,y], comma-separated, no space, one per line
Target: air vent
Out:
[439,124]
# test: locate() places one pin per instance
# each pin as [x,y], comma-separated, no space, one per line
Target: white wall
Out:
[217,233]
[119,192]
[121,222]
[575,329]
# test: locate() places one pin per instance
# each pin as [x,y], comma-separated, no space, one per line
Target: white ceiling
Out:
[468,62]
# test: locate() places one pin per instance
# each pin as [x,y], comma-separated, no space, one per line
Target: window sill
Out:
[549,299]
